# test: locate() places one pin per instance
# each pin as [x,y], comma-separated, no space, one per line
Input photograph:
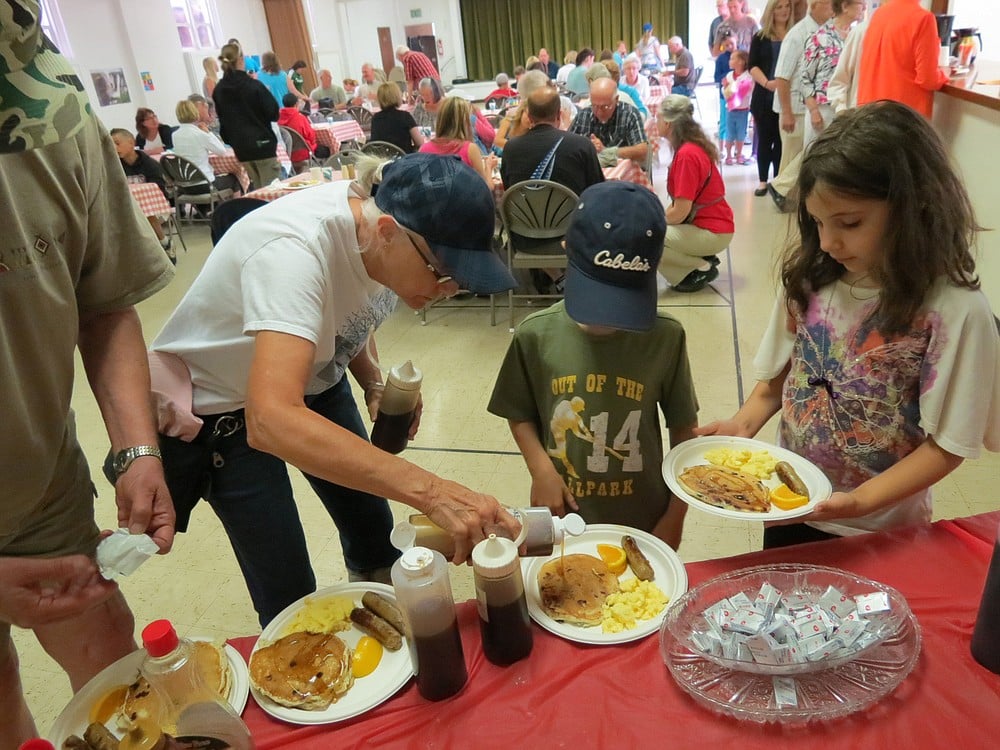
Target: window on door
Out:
[196,24]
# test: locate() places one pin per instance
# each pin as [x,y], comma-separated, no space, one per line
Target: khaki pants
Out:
[684,248]
[262,171]
[791,157]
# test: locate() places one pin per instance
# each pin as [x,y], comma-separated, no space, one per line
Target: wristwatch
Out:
[124,458]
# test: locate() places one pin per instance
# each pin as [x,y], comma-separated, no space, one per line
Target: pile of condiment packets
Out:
[779,630]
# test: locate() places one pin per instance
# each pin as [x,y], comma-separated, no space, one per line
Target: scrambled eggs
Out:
[330,614]
[636,600]
[756,463]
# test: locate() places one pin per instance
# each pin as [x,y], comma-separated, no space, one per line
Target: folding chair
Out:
[694,89]
[295,142]
[363,117]
[383,150]
[535,216]
[186,177]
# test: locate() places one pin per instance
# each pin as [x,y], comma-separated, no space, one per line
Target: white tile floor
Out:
[198,584]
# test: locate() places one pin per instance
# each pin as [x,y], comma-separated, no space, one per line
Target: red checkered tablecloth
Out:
[341,130]
[278,190]
[627,171]
[150,199]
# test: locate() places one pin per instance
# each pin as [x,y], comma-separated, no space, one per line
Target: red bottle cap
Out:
[159,638]
[38,744]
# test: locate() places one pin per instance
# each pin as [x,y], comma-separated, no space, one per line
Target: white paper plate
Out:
[300,185]
[392,673]
[74,718]
[692,453]
[671,578]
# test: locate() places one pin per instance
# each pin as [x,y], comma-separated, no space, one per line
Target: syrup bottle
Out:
[503,610]
[391,431]
[540,532]
[986,633]
[423,592]
[192,710]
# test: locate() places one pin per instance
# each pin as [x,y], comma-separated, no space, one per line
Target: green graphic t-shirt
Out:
[594,402]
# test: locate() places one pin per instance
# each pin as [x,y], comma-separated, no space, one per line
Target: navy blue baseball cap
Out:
[613,245]
[447,203]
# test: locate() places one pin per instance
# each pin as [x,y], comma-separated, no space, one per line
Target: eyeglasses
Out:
[604,107]
[441,277]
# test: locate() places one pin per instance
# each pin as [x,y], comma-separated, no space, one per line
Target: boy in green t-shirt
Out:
[582,380]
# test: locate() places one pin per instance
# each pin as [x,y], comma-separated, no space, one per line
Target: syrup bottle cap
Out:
[159,638]
[571,524]
[495,557]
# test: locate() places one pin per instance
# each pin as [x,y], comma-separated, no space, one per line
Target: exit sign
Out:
[416,13]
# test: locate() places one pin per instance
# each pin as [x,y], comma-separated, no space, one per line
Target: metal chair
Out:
[186,178]
[535,216]
[383,150]
[295,142]
[694,89]
[342,157]
[363,117]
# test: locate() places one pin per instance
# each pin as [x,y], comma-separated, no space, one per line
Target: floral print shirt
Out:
[822,53]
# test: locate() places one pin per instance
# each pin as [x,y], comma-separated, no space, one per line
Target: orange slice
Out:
[785,499]
[614,557]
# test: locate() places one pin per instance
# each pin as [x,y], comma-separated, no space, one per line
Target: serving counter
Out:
[570,695]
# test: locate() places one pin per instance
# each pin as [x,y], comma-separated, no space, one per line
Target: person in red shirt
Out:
[501,93]
[699,220]
[416,66]
[290,117]
[899,58]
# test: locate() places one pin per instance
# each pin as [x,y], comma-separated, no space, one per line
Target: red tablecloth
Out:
[150,198]
[279,190]
[568,695]
[340,130]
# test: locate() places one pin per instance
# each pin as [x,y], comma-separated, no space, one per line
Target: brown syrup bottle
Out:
[503,610]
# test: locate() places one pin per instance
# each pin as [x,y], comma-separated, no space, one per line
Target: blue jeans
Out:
[681,88]
[252,496]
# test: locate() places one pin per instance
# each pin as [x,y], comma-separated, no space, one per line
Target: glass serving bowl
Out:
[684,618]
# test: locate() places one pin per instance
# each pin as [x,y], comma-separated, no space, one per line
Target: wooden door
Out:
[290,40]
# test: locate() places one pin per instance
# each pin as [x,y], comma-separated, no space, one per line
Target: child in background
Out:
[721,71]
[290,117]
[581,382]
[737,87]
[882,353]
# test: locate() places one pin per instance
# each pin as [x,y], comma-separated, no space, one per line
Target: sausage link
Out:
[385,609]
[790,477]
[377,628]
[636,560]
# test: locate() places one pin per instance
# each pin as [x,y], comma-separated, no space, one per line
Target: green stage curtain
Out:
[500,34]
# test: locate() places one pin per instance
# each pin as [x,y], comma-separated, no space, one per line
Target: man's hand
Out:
[729,427]
[597,143]
[788,122]
[36,591]
[468,516]
[144,505]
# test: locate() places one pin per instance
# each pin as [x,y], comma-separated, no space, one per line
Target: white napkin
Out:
[122,553]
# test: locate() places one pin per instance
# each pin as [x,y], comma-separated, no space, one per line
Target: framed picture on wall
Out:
[110,86]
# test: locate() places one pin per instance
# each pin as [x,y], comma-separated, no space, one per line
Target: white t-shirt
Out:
[789,65]
[194,144]
[563,73]
[641,85]
[855,402]
[292,266]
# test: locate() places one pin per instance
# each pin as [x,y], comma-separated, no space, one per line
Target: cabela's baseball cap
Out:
[448,204]
[613,245]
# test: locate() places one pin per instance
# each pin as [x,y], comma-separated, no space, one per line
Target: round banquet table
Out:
[574,696]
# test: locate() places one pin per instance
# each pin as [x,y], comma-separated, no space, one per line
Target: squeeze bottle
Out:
[397,407]
[503,611]
[423,592]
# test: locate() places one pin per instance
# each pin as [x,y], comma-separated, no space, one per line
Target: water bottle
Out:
[423,592]
[503,610]
[540,532]
[190,709]
[329,119]
[986,634]
[391,431]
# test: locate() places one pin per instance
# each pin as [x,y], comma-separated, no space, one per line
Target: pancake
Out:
[303,670]
[142,703]
[573,588]
[726,488]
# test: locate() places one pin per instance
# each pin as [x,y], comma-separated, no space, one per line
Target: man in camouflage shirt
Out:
[75,256]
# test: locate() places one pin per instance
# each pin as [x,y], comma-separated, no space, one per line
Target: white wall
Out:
[344,32]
